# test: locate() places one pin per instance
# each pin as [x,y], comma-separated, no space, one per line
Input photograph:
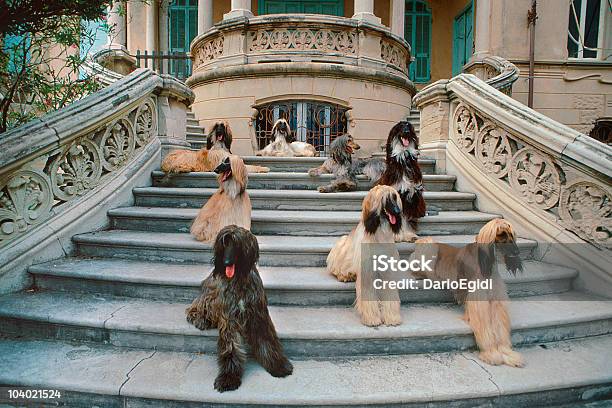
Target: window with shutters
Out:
[417,31]
[329,7]
[183,24]
[586,29]
[463,38]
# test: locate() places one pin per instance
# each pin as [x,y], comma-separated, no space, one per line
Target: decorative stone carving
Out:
[303,39]
[586,209]
[25,200]
[535,177]
[494,150]
[394,55]
[117,144]
[209,51]
[76,171]
[465,126]
[145,123]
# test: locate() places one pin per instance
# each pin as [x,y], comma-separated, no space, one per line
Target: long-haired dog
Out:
[340,163]
[380,220]
[230,204]
[404,174]
[283,144]
[485,310]
[218,147]
[233,300]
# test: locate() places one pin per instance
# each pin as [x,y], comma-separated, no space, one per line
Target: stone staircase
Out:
[195,133]
[107,325]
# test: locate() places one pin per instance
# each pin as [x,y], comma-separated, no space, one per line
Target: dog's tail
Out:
[251,168]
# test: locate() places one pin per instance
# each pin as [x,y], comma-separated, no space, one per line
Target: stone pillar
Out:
[483,19]
[117,36]
[364,11]
[163,26]
[205,15]
[240,8]
[398,11]
[151,27]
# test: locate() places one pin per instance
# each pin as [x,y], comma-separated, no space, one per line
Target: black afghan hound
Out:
[404,174]
[233,300]
[340,163]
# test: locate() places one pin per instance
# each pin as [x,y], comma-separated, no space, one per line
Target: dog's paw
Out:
[346,278]
[227,382]
[313,173]
[283,369]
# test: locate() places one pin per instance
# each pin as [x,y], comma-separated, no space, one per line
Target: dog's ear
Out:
[486,259]
[372,222]
[228,137]
[210,137]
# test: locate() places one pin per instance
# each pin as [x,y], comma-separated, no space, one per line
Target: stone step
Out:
[107,376]
[305,331]
[195,129]
[284,286]
[303,164]
[287,181]
[291,199]
[196,138]
[274,250]
[283,222]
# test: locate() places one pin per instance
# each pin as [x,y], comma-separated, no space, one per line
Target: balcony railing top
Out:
[309,38]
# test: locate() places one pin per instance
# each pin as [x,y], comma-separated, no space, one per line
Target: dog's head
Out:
[236,252]
[232,175]
[501,233]
[382,207]
[402,143]
[281,128]
[342,148]
[220,136]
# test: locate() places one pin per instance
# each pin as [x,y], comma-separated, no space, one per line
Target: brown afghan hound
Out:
[380,220]
[233,300]
[404,174]
[340,163]
[485,310]
[283,144]
[229,205]
[218,147]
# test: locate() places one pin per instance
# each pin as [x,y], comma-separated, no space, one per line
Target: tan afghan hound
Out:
[485,310]
[218,147]
[380,220]
[283,146]
[230,205]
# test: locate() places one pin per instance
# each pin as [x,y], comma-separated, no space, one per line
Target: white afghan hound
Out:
[282,146]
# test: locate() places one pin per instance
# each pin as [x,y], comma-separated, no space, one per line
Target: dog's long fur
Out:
[229,205]
[283,146]
[380,220]
[340,163]
[238,307]
[218,147]
[485,310]
[404,174]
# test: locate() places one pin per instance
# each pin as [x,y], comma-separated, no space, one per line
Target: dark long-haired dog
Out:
[345,170]
[485,310]
[380,220]
[404,174]
[233,300]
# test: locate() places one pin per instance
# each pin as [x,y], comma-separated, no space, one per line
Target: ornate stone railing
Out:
[104,75]
[57,169]
[495,71]
[300,38]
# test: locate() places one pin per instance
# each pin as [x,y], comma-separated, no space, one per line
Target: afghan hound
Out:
[229,205]
[404,174]
[283,146]
[218,147]
[380,220]
[340,163]
[485,310]
[233,300]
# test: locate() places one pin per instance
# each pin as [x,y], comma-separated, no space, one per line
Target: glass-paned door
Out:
[329,7]
[417,31]
[463,38]
[183,24]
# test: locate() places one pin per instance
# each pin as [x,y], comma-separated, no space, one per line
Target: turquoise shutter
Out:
[417,31]
[463,39]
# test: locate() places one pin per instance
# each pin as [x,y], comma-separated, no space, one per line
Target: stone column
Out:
[398,10]
[151,27]
[205,15]
[117,36]
[240,8]
[364,11]
[483,19]
[163,25]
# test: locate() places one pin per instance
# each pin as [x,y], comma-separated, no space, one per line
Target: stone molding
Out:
[495,71]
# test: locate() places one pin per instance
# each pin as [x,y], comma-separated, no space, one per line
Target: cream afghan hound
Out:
[282,146]
[380,220]
[230,205]
[485,310]
[218,147]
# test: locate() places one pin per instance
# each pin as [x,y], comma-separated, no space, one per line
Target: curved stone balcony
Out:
[243,67]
